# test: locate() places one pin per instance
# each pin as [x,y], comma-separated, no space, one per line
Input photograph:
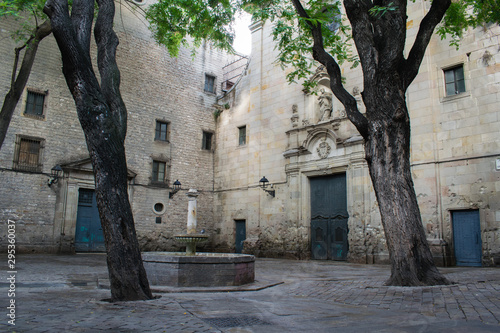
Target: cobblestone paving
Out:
[476,295]
[74,309]
[60,294]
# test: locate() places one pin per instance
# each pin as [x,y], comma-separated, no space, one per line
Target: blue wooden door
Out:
[329,217]
[241,235]
[88,236]
[467,237]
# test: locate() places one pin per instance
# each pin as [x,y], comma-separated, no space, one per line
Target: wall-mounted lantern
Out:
[55,173]
[177,186]
[264,183]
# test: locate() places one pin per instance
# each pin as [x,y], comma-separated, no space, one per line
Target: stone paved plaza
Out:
[62,294]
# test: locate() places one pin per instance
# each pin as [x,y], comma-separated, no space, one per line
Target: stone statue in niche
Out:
[325,105]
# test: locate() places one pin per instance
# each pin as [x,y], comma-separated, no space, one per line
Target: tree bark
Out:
[387,151]
[102,115]
[19,82]
[385,127]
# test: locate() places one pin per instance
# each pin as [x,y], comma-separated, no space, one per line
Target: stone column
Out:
[191,219]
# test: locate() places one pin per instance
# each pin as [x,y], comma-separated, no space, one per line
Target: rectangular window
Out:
[209,83]
[159,172]
[242,135]
[162,131]
[28,154]
[35,102]
[454,80]
[207,141]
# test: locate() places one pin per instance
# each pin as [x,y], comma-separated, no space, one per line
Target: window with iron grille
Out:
[454,80]
[159,172]
[28,153]
[162,132]
[207,141]
[35,104]
[86,196]
[210,83]
[242,135]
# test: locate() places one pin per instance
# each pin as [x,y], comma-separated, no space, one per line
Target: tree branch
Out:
[18,83]
[82,16]
[390,33]
[333,70]
[107,42]
[410,67]
[363,36]
[17,52]
[77,67]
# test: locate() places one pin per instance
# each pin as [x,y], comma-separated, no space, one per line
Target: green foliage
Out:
[294,38]
[29,13]
[175,22]
[217,114]
[379,11]
[463,14]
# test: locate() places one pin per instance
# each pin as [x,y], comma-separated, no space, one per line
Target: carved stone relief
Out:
[295,117]
[323,149]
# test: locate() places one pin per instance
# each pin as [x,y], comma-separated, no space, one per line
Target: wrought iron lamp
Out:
[263,184]
[55,173]
[177,186]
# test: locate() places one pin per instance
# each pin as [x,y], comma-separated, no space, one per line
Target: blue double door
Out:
[467,237]
[329,217]
[88,236]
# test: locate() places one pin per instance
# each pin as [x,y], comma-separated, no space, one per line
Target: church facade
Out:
[324,205]
[188,123]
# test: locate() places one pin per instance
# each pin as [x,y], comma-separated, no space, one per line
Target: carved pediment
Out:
[85,166]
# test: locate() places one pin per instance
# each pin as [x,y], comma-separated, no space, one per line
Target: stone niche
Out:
[202,270]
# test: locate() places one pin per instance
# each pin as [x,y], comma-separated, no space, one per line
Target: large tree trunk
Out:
[19,82]
[103,117]
[387,150]
[380,41]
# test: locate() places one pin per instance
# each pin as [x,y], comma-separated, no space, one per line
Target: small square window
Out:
[210,83]
[28,154]
[454,80]
[159,172]
[242,135]
[162,131]
[35,104]
[207,141]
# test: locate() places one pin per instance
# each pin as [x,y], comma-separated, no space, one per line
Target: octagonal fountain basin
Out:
[201,270]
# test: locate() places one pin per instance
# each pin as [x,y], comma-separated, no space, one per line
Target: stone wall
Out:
[455,146]
[154,87]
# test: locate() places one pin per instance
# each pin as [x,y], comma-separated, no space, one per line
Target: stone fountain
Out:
[191,269]
[191,238]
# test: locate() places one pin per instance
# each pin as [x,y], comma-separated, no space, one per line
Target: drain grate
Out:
[224,322]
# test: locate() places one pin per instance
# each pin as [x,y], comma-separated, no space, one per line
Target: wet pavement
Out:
[64,293]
